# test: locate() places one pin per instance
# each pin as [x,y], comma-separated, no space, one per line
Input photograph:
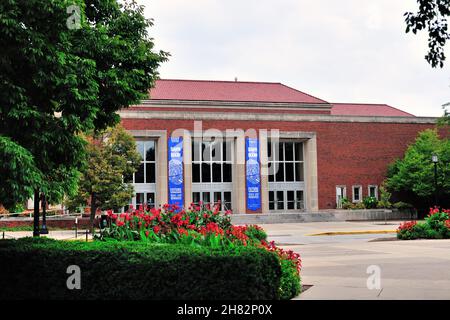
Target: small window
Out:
[341,193]
[373,191]
[357,193]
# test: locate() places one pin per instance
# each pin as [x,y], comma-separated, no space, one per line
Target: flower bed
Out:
[200,226]
[435,226]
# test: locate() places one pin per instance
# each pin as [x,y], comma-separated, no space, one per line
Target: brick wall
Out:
[348,153]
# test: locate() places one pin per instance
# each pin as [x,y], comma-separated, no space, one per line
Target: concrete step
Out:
[323,216]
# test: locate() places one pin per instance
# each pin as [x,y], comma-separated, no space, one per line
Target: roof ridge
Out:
[223,81]
[363,103]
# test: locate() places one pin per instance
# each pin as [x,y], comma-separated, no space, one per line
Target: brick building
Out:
[262,147]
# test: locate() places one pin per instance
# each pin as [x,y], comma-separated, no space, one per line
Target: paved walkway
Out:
[336,266]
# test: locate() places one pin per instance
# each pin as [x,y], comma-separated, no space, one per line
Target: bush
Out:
[36,269]
[370,202]
[256,232]
[435,226]
[403,206]
[290,285]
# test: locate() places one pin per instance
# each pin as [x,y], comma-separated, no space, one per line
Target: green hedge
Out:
[36,269]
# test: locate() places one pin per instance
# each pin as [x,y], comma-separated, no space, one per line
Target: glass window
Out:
[227,201]
[289,151]
[139,198]
[151,200]
[217,172]
[227,172]
[299,200]
[150,173]
[195,150]
[356,193]
[299,173]
[280,200]
[196,197]
[290,200]
[196,172]
[289,172]
[140,148]
[373,191]
[150,153]
[271,200]
[139,175]
[206,151]
[206,172]
[298,151]
[280,151]
[206,197]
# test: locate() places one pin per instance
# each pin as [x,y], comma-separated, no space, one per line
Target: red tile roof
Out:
[237,91]
[365,109]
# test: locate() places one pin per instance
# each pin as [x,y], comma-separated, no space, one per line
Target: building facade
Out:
[261,147]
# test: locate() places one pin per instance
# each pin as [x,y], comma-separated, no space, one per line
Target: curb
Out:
[337,233]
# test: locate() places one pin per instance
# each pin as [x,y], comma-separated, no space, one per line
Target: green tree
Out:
[432,15]
[19,175]
[66,67]
[112,155]
[412,177]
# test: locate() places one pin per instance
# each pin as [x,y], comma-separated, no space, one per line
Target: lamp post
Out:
[435,160]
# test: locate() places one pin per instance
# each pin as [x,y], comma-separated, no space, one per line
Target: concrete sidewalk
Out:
[337,266]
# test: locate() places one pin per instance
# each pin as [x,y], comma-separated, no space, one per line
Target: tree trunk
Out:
[93,210]
[36,214]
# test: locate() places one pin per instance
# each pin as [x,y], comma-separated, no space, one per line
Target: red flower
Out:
[120,223]
[147,233]
[407,225]
[156,229]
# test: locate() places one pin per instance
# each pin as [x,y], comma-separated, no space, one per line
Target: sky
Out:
[340,51]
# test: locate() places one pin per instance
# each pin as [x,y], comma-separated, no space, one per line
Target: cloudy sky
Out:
[340,51]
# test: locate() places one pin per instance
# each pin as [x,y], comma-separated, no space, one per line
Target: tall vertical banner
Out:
[176,192]
[253,176]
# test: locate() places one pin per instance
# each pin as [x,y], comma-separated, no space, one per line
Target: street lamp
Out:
[435,160]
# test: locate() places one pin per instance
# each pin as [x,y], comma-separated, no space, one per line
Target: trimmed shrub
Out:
[290,285]
[37,269]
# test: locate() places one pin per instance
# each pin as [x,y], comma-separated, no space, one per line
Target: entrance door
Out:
[212,163]
[286,176]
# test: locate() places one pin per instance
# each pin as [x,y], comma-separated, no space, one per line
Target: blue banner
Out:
[252,170]
[176,192]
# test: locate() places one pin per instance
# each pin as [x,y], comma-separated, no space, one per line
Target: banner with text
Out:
[176,192]
[253,177]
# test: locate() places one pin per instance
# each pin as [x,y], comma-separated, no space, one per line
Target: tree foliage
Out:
[111,156]
[413,176]
[432,16]
[60,78]
[19,175]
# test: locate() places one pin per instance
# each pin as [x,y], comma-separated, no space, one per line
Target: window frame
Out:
[376,190]
[344,187]
[357,186]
